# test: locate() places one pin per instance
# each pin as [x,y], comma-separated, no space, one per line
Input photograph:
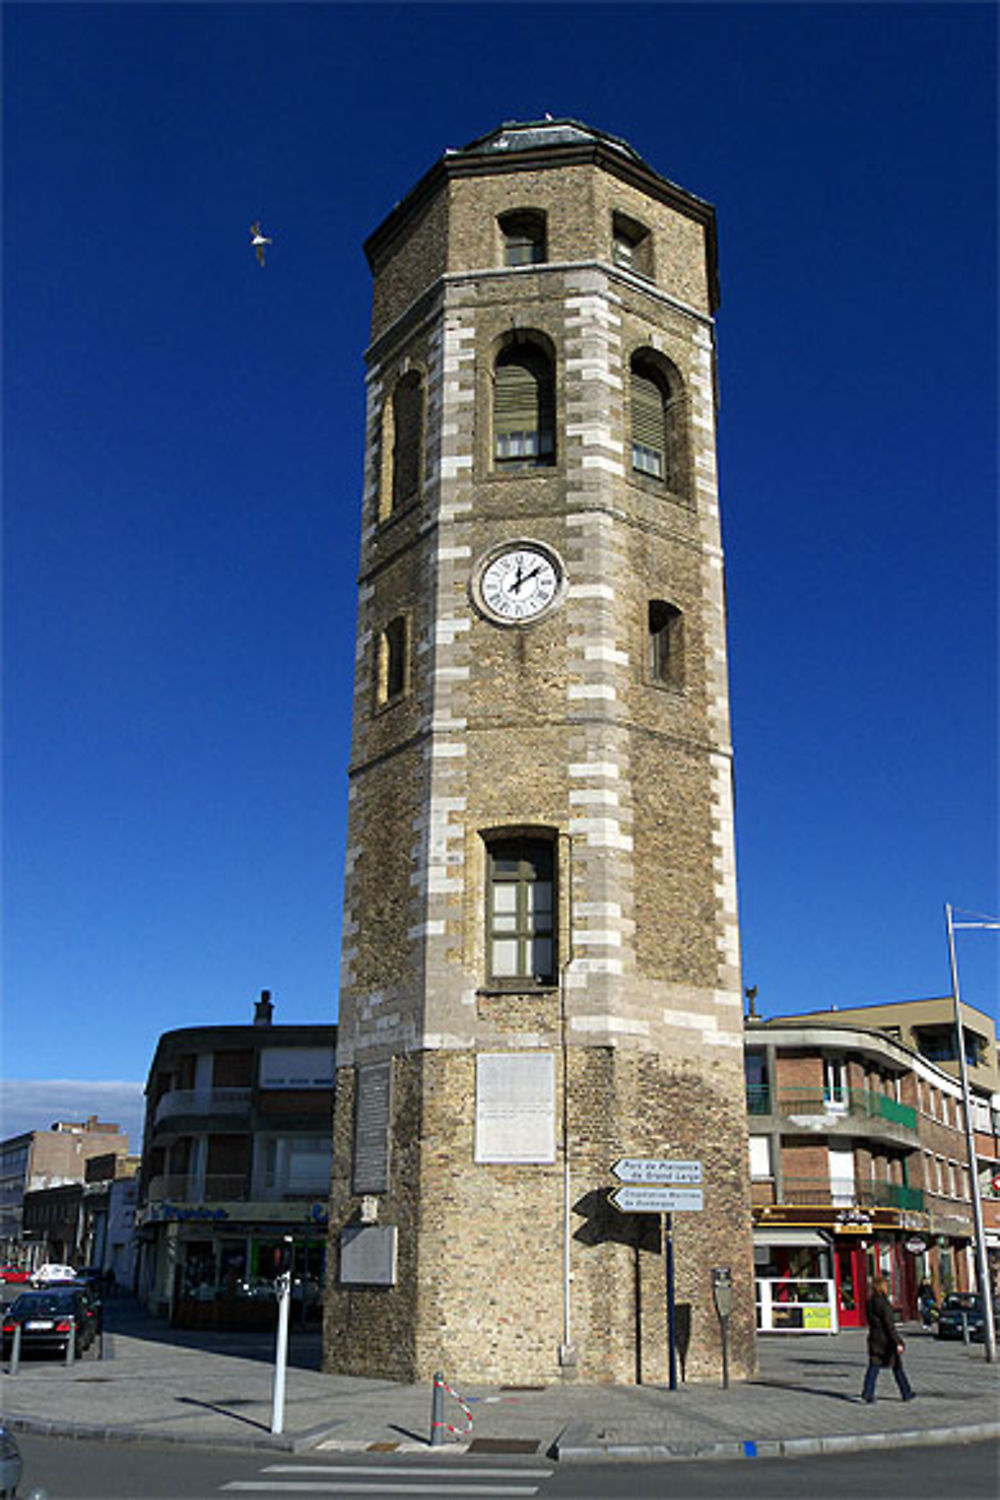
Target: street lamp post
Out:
[982,1269]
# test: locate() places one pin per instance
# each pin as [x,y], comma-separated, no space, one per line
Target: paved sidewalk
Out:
[159,1385]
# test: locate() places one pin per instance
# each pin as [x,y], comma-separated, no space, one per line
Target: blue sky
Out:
[183,448]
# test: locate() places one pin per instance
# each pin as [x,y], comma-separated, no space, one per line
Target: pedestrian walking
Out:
[885,1347]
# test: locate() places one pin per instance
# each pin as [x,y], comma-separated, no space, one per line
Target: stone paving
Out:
[160,1385]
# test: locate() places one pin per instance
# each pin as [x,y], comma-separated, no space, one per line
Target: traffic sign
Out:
[655,1169]
[661,1199]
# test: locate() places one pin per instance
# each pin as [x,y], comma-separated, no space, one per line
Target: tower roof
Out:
[531,135]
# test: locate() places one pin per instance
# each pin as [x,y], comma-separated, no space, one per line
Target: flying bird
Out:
[258,240]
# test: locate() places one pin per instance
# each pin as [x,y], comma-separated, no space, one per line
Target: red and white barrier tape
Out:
[464,1432]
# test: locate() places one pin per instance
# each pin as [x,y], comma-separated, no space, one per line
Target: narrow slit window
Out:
[407,439]
[523,234]
[666,643]
[391,667]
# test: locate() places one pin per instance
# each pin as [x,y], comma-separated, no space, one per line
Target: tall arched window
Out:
[524,407]
[649,399]
[407,438]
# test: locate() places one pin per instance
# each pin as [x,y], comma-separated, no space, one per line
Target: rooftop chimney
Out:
[263,1010]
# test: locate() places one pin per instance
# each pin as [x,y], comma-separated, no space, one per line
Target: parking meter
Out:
[722,1292]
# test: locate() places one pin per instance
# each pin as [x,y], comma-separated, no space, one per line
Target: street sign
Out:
[655,1169]
[658,1200]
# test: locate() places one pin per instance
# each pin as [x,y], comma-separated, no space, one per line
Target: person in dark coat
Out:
[885,1347]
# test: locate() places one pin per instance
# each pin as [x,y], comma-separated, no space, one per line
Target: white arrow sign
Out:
[655,1169]
[658,1200]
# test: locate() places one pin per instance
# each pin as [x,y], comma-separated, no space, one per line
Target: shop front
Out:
[214,1265]
[843,1247]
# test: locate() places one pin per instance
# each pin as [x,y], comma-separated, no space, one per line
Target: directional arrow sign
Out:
[658,1200]
[655,1169]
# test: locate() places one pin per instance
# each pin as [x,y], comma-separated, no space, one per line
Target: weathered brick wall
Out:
[554,726]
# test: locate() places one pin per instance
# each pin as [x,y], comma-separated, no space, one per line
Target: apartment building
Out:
[49,1162]
[236,1159]
[858,1153]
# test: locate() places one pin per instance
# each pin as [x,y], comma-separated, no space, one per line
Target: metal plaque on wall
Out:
[368,1255]
[370,1171]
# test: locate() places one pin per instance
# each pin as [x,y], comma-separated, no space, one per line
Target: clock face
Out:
[520,582]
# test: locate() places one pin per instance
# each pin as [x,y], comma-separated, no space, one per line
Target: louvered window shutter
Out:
[649,426]
[523,409]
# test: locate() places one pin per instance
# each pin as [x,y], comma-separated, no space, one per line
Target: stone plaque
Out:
[515,1107]
[368,1255]
[371,1128]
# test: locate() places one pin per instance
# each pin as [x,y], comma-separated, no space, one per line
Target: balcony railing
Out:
[758,1099]
[216,1187]
[202,1102]
[865,1103]
[851,1193]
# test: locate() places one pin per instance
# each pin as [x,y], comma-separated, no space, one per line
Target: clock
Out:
[517,582]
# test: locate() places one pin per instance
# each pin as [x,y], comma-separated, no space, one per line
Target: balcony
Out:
[202,1102]
[216,1187]
[845,1193]
[845,1112]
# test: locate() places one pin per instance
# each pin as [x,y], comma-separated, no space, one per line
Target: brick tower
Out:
[540,969]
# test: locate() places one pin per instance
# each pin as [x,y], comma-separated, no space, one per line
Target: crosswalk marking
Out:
[408,1469]
[434,1480]
[372,1487]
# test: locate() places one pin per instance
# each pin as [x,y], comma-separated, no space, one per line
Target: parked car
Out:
[45,1318]
[14,1273]
[10,1464]
[52,1271]
[959,1308]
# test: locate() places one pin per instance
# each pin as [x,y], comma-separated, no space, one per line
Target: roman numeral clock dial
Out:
[518,582]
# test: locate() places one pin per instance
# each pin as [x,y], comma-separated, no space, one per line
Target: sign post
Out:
[722,1291]
[654,1185]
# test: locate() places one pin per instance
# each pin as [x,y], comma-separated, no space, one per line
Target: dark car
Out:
[959,1308]
[46,1318]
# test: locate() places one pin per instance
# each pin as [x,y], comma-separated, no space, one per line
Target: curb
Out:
[571,1446]
[98,1433]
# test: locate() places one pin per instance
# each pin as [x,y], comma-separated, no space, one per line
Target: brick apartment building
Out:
[858,1152]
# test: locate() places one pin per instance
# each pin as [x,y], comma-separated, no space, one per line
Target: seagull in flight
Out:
[258,240]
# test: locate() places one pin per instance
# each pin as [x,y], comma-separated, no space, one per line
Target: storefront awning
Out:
[764,1234]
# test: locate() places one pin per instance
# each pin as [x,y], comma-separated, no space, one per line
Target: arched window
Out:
[649,399]
[407,438]
[523,233]
[521,911]
[666,643]
[631,245]
[523,407]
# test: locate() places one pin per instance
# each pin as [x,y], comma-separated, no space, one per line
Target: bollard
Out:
[965,1328]
[71,1342]
[15,1352]
[437,1411]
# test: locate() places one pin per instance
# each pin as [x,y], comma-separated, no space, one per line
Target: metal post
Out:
[15,1352]
[71,1342]
[982,1269]
[437,1411]
[283,1286]
[668,1239]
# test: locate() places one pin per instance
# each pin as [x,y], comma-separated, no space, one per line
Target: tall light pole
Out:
[982,1269]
